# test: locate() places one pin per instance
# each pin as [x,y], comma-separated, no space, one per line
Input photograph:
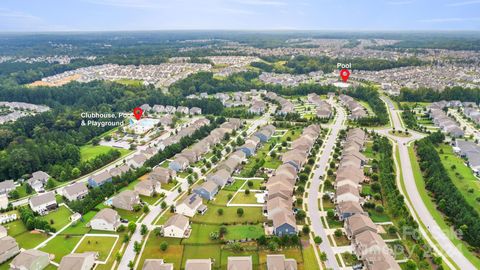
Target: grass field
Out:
[239,232]
[60,246]
[462,176]
[60,217]
[437,215]
[25,238]
[202,252]
[89,151]
[201,234]
[101,244]
[130,82]
[242,198]
[251,214]
[173,254]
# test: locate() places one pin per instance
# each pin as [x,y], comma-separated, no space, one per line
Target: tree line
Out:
[371,96]
[431,95]
[448,198]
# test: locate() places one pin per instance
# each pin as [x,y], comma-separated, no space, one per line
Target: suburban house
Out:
[137,161]
[7,186]
[295,157]
[207,190]
[240,263]
[195,111]
[265,133]
[279,262]
[277,205]
[119,170]
[105,220]
[250,146]
[30,259]
[148,187]
[347,193]
[156,264]
[38,180]
[8,247]
[180,163]
[198,264]
[368,242]
[177,226]
[99,179]
[162,175]
[75,191]
[42,203]
[284,223]
[78,261]
[3,201]
[357,224]
[345,210]
[126,200]
[189,206]
[221,177]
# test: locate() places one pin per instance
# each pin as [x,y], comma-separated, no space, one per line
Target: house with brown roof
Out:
[369,242]
[347,193]
[294,157]
[357,224]
[148,187]
[105,220]
[277,205]
[284,223]
[279,262]
[180,163]
[137,161]
[126,200]
[162,175]
[345,210]
[221,177]
[119,170]
[198,264]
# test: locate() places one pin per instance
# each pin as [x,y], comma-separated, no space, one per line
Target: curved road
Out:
[449,249]
[313,191]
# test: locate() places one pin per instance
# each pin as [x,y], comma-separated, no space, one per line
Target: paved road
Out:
[412,192]
[313,192]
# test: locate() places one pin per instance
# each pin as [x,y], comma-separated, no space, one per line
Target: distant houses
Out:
[356,109]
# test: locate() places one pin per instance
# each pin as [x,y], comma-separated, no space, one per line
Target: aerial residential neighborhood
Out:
[297,135]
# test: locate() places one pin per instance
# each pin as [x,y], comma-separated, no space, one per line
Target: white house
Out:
[43,203]
[105,220]
[177,226]
[189,206]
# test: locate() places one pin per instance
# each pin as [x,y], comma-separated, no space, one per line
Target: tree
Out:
[338,233]
[222,231]
[132,226]
[301,215]
[330,213]
[240,212]
[379,209]
[220,211]
[146,209]
[318,240]
[249,183]
[323,256]
[164,246]
[306,229]
[247,191]
[131,264]
[143,229]
[137,247]
[28,189]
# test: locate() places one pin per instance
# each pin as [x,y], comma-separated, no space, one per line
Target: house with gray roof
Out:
[7,186]
[75,191]
[207,190]
[8,248]
[240,263]
[279,262]
[78,261]
[126,200]
[156,264]
[30,259]
[105,220]
[43,203]
[99,179]
[38,180]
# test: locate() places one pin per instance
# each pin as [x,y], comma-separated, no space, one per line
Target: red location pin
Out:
[344,73]
[138,112]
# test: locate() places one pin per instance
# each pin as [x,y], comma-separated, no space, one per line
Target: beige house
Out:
[156,264]
[30,259]
[240,263]
[177,226]
[105,220]
[279,262]
[189,206]
[78,261]
[148,187]
[162,175]
[357,224]
[126,200]
[75,191]
[198,264]
[8,247]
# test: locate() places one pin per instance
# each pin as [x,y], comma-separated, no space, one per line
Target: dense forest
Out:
[372,97]
[430,95]
[449,200]
[306,64]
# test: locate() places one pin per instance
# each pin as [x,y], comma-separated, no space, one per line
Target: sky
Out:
[344,15]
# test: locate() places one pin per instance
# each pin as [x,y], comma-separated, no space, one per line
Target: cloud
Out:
[466,3]
[398,3]
[445,20]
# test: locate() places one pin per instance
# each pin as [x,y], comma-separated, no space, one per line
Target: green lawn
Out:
[130,82]
[235,186]
[150,200]
[239,232]
[25,238]
[242,198]
[437,215]
[22,192]
[60,246]
[100,244]
[309,256]
[201,234]
[378,217]
[221,198]
[80,227]
[130,215]
[251,214]
[462,177]
[91,151]
[60,217]
[173,254]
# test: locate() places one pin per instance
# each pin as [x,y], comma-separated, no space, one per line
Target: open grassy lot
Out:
[201,234]
[150,199]
[101,244]
[130,215]
[173,254]
[242,198]
[202,252]
[251,214]
[60,217]
[164,217]
[222,197]
[25,238]
[111,260]
[235,185]
[80,227]
[239,232]
[91,151]
[310,259]
[462,176]
[130,82]
[437,215]
[22,192]
[60,246]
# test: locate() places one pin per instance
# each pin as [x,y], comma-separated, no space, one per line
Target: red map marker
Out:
[138,113]
[344,73]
